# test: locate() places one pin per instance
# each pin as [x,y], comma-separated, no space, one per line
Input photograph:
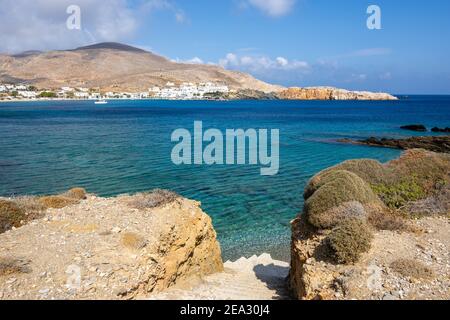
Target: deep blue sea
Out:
[125,147]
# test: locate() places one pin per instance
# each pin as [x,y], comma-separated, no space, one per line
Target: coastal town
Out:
[171,91]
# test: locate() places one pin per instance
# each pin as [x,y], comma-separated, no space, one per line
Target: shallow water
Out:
[125,147]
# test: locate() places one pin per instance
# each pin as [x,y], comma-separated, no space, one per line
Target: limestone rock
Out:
[329,93]
[74,253]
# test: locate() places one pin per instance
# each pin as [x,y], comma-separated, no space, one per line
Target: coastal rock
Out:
[329,93]
[415,127]
[435,144]
[75,253]
[441,130]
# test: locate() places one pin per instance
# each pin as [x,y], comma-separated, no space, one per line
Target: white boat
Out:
[101,102]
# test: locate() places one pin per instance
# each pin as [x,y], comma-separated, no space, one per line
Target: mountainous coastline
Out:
[115,67]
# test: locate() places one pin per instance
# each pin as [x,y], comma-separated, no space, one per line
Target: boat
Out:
[101,101]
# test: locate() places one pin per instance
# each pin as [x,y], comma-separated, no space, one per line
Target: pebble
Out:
[44,291]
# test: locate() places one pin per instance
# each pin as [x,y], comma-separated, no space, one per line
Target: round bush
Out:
[76,193]
[349,240]
[335,189]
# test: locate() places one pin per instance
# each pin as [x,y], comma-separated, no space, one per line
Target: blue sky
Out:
[289,42]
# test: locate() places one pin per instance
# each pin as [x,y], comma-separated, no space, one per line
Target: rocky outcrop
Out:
[441,130]
[119,248]
[414,127]
[435,144]
[348,245]
[329,93]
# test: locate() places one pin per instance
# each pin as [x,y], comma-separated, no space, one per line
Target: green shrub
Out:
[349,240]
[397,195]
[11,215]
[369,170]
[335,189]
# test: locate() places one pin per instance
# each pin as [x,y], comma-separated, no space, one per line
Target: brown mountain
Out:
[114,66]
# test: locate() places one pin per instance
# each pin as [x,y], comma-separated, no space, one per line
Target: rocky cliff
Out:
[358,236]
[97,248]
[328,93]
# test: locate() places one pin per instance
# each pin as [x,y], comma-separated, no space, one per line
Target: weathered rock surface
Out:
[435,144]
[329,93]
[106,249]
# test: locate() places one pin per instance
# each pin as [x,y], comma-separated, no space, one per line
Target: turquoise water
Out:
[125,147]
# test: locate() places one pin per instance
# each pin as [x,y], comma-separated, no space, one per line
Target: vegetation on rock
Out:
[11,215]
[397,195]
[334,189]
[133,241]
[57,202]
[76,193]
[152,199]
[412,269]
[349,240]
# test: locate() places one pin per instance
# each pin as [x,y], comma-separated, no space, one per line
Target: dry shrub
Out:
[349,240]
[437,204]
[76,193]
[57,202]
[11,215]
[328,219]
[153,199]
[412,269]
[388,220]
[9,266]
[133,241]
[335,189]
[33,208]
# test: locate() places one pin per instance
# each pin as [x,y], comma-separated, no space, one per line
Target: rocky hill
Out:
[114,66]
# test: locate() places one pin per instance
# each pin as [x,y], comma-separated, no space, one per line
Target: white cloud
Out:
[274,8]
[261,63]
[195,60]
[41,24]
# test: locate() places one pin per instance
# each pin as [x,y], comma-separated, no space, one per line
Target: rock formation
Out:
[414,127]
[436,144]
[329,93]
[120,248]
[355,238]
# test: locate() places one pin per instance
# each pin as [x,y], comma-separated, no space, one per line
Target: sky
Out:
[288,42]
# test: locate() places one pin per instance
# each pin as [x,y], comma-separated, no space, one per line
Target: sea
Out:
[125,147]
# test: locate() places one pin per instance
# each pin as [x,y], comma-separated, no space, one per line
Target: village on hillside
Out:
[171,91]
